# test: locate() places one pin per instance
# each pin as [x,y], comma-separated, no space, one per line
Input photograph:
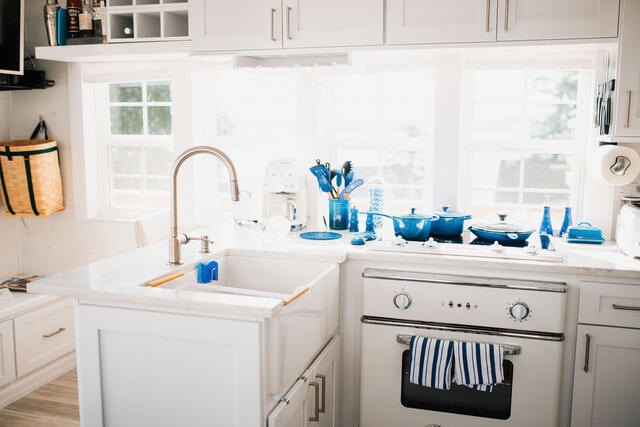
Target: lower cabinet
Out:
[607,377]
[606,382]
[7,355]
[42,335]
[312,400]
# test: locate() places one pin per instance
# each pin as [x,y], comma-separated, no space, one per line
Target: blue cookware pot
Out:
[502,231]
[411,226]
[451,223]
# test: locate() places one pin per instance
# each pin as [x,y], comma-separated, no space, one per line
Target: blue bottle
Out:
[376,199]
[545,225]
[353,220]
[566,222]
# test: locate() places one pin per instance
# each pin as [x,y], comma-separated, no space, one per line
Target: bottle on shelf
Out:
[99,13]
[50,21]
[85,19]
[74,8]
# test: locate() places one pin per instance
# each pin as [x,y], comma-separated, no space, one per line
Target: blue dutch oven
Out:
[502,231]
[411,226]
[450,223]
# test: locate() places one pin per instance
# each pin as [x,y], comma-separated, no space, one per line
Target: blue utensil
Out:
[322,175]
[349,188]
[335,173]
[348,178]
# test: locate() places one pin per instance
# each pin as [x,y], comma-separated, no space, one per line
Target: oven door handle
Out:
[507,349]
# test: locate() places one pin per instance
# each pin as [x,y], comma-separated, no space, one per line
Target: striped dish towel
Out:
[430,362]
[477,365]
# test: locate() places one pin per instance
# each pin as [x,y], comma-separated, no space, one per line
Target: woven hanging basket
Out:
[30,181]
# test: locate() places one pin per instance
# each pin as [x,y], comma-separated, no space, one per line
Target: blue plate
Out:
[320,235]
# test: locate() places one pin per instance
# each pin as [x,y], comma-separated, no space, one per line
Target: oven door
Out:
[529,395]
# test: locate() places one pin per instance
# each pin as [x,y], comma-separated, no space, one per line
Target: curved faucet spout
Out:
[174,242]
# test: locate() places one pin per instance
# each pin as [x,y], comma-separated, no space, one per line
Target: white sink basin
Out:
[306,318]
[256,276]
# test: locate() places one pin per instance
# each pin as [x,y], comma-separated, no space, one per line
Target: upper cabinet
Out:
[218,25]
[433,21]
[626,112]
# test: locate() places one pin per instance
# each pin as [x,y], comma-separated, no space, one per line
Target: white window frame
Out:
[560,61]
[92,185]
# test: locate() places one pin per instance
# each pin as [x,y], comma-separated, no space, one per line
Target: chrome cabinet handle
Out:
[289,22]
[488,23]
[273,18]
[626,122]
[506,15]
[625,307]
[323,398]
[316,415]
[50,334]
[586,352]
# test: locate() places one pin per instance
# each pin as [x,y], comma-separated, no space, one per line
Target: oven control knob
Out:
[402,300]
[519,311]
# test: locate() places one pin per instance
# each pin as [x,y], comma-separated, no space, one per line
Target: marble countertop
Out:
[120,279]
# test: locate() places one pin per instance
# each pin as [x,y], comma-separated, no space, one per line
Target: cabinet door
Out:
[235,25]
[44,335]
[626,117]
[7,355]
[553,19]
[324,23]
[435,21]
[606,378]
[293,409]
[325,375]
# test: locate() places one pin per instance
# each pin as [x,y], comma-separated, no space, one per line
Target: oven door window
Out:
[459,399]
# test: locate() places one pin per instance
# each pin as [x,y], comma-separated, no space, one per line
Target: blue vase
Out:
[566,222]
[545,225]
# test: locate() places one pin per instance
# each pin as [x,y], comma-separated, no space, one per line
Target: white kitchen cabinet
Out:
[7,355]
[553,19]
[607,365]
[42,335]
[432,21]
[626,112]
[312,399]
[217,25]
[607,382]
[435,21]
[138,367]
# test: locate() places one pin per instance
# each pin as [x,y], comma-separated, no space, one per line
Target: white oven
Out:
[525,317]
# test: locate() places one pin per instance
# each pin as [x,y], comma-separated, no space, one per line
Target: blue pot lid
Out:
[412,215]
[445,212]
[503,227]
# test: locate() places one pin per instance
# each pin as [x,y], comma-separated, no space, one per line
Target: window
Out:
[139,144]
[525,134]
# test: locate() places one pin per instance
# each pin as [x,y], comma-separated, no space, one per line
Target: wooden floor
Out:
[53,405]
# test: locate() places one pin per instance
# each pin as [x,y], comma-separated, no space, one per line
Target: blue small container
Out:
[566,222]
[207,272]
[339,214]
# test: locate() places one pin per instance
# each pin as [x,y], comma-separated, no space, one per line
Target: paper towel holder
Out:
[620,165]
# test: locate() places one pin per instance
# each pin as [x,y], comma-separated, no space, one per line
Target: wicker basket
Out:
[30,180]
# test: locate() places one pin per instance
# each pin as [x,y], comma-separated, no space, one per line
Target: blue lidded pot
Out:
[451,223]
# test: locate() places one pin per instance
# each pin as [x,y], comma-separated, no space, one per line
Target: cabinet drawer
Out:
[7,361]
[43,335]
[610,304]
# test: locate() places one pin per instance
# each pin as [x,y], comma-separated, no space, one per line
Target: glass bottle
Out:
[545,225]
[85,19]
[74,7]
[566,222]
[376,199]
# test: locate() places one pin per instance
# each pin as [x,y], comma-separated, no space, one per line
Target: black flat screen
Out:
[11,36]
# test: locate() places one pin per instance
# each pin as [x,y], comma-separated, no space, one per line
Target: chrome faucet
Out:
[174,242]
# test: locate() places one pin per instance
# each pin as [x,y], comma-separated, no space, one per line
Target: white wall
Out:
[59,242]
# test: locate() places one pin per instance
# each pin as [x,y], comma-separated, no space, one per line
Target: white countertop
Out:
[120,279]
